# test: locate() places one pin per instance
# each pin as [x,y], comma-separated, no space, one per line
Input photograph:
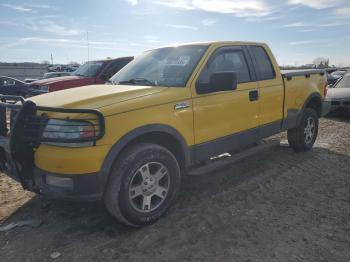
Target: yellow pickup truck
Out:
[130,141]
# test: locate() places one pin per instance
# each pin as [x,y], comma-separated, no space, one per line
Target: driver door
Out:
[225,120]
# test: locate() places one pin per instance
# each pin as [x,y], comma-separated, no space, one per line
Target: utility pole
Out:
[88,45]
[88,50]
[51,59]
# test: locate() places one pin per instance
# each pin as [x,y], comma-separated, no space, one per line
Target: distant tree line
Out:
[317,63]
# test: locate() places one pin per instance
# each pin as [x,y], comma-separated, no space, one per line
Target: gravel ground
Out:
[276,206]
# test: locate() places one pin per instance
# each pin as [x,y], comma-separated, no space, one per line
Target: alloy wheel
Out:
[149,187]
[309,130]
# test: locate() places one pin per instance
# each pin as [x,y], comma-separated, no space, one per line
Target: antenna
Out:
[88,51]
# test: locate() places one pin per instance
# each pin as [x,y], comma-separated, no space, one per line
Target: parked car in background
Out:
[12,86]
[72,68]
[93,72]
[332,79]
[55,68]
[339,73]
[55,74]
[339,96]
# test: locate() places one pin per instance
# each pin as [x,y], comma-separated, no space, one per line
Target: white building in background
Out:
[22,71]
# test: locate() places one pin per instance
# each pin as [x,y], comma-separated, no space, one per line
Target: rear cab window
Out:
[262,63]
[114,67]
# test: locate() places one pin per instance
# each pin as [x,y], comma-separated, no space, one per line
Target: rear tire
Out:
[142,185]
[303,137]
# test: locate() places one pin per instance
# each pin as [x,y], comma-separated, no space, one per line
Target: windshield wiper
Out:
[137,81]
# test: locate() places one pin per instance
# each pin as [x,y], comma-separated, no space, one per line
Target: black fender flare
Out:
[127,138]
[310,97]
[294,115]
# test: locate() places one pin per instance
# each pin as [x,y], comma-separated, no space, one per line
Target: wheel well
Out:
[316,104]
[163,139]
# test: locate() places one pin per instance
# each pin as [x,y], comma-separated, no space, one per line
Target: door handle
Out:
[254,95]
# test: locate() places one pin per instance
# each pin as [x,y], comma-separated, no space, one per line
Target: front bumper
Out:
[335,105]
[21,132]
[339,104]
[83,187]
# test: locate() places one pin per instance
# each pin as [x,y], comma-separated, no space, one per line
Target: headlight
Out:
[69,133]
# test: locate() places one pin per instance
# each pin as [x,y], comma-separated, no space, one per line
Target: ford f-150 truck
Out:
[92,72]
[130,142]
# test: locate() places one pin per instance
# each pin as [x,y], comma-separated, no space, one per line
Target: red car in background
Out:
[92,72]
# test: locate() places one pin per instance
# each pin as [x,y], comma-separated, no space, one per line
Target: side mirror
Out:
[219,81]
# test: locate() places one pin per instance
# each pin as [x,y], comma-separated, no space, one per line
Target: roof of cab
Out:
[114,59]
[207,43]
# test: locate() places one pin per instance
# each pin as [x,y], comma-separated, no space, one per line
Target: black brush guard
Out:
[22,125]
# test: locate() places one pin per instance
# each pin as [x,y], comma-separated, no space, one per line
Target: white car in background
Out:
[338,96]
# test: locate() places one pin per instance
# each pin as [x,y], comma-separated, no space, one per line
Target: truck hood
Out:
[94,96]
[49,81]
[338,93]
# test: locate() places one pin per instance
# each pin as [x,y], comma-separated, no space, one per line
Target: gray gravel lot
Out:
[275,206]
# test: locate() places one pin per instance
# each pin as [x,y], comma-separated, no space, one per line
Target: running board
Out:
[226,159]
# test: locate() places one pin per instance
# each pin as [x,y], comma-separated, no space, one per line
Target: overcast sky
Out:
[298,31]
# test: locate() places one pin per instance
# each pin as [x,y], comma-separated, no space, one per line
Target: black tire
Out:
[298,140]
[127,169]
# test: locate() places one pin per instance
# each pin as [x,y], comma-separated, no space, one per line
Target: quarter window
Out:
[262,63]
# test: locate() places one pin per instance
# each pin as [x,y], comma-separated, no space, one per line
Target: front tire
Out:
[303,137]
[143,184]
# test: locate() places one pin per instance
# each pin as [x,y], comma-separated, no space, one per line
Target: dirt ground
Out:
[276,206]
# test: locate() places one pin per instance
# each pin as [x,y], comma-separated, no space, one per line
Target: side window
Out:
[262,63]
[7,82]
[114,68]
[227,60]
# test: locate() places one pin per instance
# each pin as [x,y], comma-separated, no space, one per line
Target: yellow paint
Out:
[271,95]
[300,88]
[208,116]
[71,161]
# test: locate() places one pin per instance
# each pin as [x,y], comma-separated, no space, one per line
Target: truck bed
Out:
[299,84]
[302,72]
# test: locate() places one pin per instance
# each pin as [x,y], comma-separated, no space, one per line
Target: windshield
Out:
[339,73]
[344,82]
[89,69]
[169,66]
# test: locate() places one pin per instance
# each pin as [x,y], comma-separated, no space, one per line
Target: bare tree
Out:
[73,63]
[321,62]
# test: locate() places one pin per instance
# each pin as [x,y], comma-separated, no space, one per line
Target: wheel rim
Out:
[149,187]
[309,130]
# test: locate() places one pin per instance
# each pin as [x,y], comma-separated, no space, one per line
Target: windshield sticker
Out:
[178,61]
